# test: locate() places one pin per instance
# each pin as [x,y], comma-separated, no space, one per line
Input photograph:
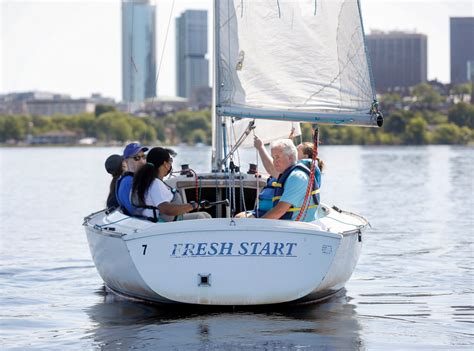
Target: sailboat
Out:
[280,61]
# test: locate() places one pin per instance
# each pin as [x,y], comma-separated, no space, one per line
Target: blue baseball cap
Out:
[133,149]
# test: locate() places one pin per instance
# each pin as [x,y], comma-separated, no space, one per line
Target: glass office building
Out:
[192,66]
[462,48]
[138,50]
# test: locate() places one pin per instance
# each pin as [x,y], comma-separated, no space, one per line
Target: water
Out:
[412,289]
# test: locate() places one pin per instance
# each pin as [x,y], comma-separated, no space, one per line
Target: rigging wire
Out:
[242,193]
[231,182]
[163,50]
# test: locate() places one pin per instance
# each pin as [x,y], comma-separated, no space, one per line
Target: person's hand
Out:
[257,143]
[205,204]
[194,204]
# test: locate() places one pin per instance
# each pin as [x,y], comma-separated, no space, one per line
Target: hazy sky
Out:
[74,46]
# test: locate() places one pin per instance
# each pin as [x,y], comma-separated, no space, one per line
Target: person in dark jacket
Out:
[115,166]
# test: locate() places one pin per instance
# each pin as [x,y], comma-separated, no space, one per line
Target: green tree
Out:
[434,117]
[307,131]
[426,96]
[461,89]
[114,126]
[397,121]
[100,109]
[416,131]
[447,133]
[186,121]
[43,124]
[160,130]
[141,130]
[389,102]
[13,127]
[462,114]
[198,136]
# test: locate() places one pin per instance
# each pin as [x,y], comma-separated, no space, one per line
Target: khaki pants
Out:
[196,215]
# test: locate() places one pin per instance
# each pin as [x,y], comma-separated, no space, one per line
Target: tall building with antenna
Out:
[138,50]
[192,66]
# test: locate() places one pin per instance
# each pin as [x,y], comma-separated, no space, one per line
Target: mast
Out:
[216,118]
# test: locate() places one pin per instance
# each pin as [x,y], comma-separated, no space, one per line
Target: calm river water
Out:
[412,289]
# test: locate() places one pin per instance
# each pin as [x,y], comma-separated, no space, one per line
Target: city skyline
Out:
[46,46]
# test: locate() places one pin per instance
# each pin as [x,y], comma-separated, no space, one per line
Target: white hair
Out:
[287,147]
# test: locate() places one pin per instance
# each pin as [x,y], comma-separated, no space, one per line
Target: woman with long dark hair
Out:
[149,188]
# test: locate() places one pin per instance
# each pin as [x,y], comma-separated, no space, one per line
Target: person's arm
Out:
[161,195]
[278,211]
[266,158]
[170,209]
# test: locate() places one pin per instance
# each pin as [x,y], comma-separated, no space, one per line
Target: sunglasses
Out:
[138,157]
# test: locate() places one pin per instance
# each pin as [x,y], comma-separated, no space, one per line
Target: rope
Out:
[196,183]
[309,189]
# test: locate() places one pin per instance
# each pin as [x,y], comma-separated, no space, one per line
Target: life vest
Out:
[317,172]
[177,199]
[273,190]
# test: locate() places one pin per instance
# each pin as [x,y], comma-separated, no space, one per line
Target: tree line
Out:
[112,126]
[406,127]
[426,119]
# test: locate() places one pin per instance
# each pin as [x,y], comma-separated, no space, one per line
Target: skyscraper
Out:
[192,67]
[462,48]
[399,60]
[138,50]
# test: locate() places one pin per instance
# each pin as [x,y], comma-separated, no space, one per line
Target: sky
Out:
[74,46]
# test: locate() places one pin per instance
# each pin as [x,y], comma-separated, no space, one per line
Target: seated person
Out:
[134,156]
[149,189]
[305,156]
[283,198]
[115,166]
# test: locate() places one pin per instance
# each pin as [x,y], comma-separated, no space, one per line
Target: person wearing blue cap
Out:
[134,156]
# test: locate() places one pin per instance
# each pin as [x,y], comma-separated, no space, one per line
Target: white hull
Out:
[223,261]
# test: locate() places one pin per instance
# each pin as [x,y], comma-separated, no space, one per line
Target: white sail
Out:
[291,60]
[266,130]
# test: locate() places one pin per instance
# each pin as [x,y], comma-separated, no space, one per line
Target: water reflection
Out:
[121,324]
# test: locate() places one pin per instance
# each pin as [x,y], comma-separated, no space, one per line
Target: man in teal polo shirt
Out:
[292,184]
